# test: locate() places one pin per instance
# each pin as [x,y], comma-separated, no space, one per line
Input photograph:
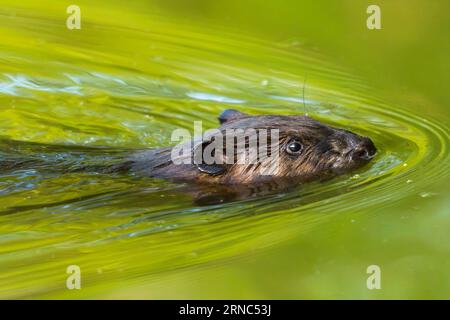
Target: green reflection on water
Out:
[133,74]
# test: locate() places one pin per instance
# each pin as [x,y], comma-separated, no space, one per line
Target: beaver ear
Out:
[230,114]
[212,169]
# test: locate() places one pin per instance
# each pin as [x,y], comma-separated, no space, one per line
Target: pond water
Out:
[127,80]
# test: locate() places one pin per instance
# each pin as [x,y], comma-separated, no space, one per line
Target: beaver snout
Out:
[365,150]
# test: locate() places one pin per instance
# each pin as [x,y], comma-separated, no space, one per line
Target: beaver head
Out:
[306,148]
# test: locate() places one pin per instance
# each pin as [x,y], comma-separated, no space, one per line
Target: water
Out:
[130,87]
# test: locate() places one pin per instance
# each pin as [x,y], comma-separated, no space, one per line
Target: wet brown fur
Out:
[327,151]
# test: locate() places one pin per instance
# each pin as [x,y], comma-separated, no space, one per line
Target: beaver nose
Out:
[365,150]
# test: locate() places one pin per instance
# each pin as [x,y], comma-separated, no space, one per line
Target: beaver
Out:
[305,149]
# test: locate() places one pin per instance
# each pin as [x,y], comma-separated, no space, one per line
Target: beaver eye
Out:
[294,147]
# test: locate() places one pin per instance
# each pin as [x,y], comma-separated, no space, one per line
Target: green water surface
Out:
[133,73]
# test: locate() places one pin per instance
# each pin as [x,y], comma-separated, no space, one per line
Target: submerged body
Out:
[306,150]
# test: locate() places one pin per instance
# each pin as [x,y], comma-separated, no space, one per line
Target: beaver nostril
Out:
[365,151]
[360,154]
[370,147]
